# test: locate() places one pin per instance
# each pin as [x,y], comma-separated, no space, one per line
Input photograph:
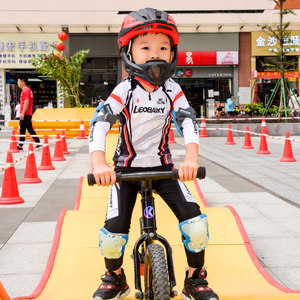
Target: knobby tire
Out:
[156,268]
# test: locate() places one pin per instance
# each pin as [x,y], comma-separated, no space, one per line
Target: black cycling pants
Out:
[122,200]
[27,124]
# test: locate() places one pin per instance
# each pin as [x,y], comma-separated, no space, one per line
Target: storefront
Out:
[264,49]
[102,70]
[16,52]
[208,69]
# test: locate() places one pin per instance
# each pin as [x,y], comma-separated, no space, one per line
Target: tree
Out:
[66,72]
[280,62]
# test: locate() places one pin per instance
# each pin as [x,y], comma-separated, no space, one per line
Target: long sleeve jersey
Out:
[144,123]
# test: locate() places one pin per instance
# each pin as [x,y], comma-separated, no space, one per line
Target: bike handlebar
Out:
[153,175]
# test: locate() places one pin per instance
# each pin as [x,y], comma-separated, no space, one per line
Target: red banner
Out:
[275,75]
[207,58]
[196,58]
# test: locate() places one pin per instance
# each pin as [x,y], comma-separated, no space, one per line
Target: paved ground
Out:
[264,191]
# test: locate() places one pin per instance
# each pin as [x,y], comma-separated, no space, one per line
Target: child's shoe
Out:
[196,287]
[113,287]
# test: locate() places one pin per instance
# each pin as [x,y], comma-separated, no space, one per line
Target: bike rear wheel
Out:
[156,273]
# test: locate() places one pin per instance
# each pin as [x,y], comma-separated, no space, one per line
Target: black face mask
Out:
[156,72]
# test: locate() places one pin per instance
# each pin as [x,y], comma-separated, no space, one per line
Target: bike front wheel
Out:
[156,273]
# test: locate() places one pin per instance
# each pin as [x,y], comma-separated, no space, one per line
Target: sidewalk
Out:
[262,190]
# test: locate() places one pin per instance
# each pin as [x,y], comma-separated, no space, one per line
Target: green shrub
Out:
[248,108]
[273,110]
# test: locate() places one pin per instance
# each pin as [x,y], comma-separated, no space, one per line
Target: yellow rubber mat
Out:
[75,268]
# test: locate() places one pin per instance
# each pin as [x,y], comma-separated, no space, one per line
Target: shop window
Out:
[99,78]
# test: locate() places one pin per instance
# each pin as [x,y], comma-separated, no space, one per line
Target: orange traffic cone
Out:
[64,143]
[81,131]
[264,125]
[3,293]
[58,153]
[171,137]
[10,192]
[46,162]
[287,151]
[230,140]
[247,141]
[203,132]
[30,175]
[263,147]
[13,147]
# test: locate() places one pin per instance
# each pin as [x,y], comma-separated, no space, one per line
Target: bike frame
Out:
[150,236]
[148,224]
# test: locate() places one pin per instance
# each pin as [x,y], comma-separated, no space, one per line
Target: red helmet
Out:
[148,20]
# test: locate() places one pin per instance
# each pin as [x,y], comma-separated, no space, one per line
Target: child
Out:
[143,104]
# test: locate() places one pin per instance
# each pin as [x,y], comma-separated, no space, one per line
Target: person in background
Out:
[101,102]
[230,106]
[26,105]
[294,104]
[220,111]
[17,111]
[50,105]
[236,110]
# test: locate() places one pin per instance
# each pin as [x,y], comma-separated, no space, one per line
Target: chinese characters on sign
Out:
[291,44]
[17,50]
[274,75]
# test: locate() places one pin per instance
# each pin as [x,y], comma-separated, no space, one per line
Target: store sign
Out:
[179,73]
[264,45]
[188,72]
[219,75]
[16,50]
[227,57]
[274,75]
[207,58]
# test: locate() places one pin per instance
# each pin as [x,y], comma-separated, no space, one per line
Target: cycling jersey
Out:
[144,123]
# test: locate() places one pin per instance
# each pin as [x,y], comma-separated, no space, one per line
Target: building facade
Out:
[218,51]
[263,52]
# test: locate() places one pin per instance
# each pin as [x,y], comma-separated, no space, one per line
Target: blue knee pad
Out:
[195,233]
[112,245]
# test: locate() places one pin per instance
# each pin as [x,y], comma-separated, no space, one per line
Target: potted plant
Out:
[67,72]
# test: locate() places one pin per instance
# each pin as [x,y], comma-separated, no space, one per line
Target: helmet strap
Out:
[128,52]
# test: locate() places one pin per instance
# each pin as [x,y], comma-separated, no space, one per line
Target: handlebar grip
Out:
[91,179]
[201,173]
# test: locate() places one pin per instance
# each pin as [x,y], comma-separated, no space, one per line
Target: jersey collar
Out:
[139,80]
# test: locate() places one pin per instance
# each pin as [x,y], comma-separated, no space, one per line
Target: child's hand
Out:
[104,175]
[188,171]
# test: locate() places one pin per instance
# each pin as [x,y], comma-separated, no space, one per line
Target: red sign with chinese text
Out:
[274,75]
[207,58]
